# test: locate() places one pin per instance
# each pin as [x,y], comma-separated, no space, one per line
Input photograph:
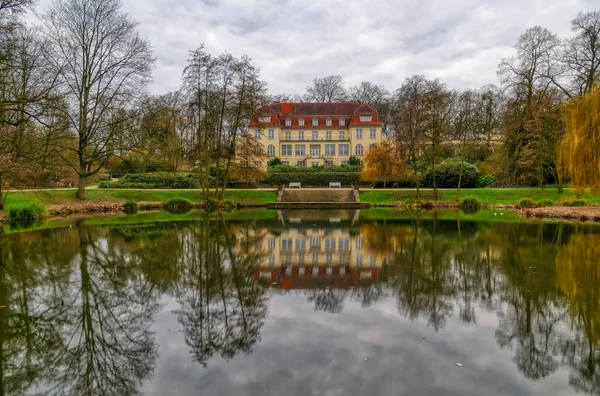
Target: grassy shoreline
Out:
[487,196]
[111,200]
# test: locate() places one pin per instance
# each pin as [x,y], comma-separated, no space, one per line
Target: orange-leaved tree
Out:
[579,149]
[383,163]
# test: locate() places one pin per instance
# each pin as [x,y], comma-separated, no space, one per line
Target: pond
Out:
[375,302]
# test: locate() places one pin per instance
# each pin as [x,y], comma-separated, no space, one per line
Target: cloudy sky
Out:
[383,41]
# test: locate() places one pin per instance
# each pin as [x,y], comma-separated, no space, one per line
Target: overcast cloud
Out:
[383,41]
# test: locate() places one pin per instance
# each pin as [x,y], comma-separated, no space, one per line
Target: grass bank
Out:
[95,196]
[487,196]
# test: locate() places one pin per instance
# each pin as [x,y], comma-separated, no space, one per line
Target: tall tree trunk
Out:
[82,181]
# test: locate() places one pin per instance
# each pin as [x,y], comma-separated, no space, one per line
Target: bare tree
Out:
[327,89]
[222,95]
[377,97]
[410,122]
[528,78]
[533,69]
[439,106]
[103,64]
[582,54]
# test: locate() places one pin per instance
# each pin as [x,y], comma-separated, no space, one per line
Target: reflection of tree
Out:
[222,308]
[29,338]
[368,295]
[579,276]
[423,278]
[534,309]
[327,299]
[108,345]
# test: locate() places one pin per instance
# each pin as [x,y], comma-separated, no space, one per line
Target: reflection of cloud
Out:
[322,354]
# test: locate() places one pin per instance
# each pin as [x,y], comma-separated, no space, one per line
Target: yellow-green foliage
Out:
[579,150]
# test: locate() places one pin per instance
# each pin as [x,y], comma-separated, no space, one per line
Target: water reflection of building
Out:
[325,253]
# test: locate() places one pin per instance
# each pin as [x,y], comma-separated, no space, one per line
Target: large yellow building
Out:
[316,134]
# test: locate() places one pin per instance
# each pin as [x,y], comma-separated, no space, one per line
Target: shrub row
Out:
[313,179]
[448,172]
[155,180]
[313,169]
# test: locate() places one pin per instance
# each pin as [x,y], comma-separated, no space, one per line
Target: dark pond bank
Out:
[375,302]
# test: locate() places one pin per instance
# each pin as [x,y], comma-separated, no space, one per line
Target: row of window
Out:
[315,121]
[315,134]
[316,260]
[315,151]
[315,243]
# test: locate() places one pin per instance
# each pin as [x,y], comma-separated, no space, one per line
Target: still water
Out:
[301,303]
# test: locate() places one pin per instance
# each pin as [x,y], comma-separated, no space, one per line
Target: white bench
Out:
[335,184]
[297,185]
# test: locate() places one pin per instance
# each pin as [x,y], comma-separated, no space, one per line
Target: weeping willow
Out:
[579,150]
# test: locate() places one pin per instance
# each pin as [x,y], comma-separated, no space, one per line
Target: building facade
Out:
[316,134]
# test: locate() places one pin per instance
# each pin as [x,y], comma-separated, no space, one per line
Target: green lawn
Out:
[107,195]
[488,196]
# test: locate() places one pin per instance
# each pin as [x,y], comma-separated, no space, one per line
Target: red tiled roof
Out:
[350,111]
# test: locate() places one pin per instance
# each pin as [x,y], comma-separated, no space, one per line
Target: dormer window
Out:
[366,118]
[301,122]
[328,122]
[265,119]
[288,122]
[315,122]
[342,121]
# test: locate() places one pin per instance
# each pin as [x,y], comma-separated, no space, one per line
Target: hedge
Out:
[155,180]
[313,179]
[314,169]
[448,172]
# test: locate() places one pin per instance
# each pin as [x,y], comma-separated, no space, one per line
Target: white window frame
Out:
[366,118]
[300,150]
[359,261]
[328,121]
[286,150]
[315,133]
[359,134]
[342,121]
[271,133]
[300,135]
[315,151]
[346,150]
[288,135]
[288,121]
[301,122]
[257,134]
[300,164]
[300,244]
[359,150]
[342,135]
[329,164]
[328,135]
[265,119]
[258,149]
[373,133]
[271,150]
[330,244]
[330,149]
[315,122]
